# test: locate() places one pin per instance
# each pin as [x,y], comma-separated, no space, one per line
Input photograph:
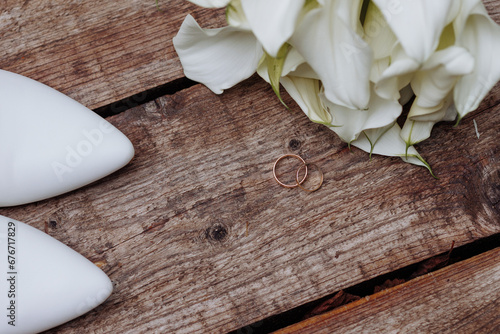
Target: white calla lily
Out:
[467,8]
[373,136]
[397,75]
[414,132]
[478,33]
[352,69]
[377,71]
[305,92]
[304,70]
[420,121]
[445,111]
[417,24]
[302,84]
[235,16]
[381,39]
[378,33]
[437,77]
[218,58]
[211,3]
[387,142]
[432,85]
[272,21]
[351,122]
[333,49]
[294,64]
[272,70]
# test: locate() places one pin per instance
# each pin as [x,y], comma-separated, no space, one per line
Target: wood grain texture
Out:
[194,233]
[198,237]
[493,8]
[96,52]
[101,52]
[462,298]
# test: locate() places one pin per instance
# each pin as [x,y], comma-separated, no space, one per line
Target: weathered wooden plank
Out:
[101,52]
[198,237]
[493,8]
[96,52]
[462,298]
[194,233]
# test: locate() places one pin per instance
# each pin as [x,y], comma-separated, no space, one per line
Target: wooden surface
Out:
[194,232]
[95,53]
[171,228]
[462,298]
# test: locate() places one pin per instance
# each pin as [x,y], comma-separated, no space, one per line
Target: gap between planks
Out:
[429,304]
[367,289]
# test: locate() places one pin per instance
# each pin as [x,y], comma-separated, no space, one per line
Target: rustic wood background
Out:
[452,300]
[194,232]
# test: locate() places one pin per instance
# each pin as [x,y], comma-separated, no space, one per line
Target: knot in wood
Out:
[55,220]
[217,232]
[52,223]
[294,144]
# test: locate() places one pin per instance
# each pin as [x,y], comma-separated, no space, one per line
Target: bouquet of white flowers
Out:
[352,64]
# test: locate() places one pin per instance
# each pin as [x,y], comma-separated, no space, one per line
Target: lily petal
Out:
[467,8]
[351,122]
[211,3]
[272,21]
[417,24]
[481,36]
[305,92]
[438,76]
[381,40]
[378,68]
[235,16]
[389,143]
[378,33]
[218,58]
[294,65]
[433,114]
[304,70]
[420,121]
[275,68]
[333,49]
[397,75]
[413,132]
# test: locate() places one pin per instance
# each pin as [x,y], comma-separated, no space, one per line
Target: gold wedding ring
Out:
[298,183]
[276,177]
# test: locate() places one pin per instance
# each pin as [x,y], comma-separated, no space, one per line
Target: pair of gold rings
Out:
[298,181]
